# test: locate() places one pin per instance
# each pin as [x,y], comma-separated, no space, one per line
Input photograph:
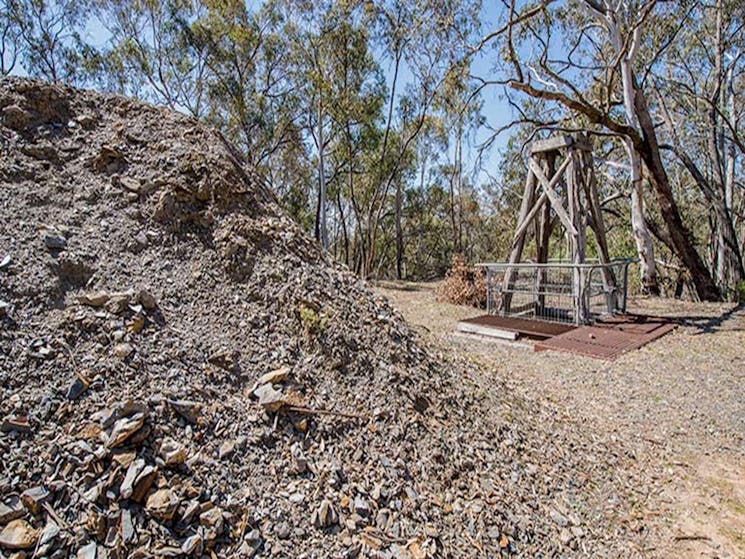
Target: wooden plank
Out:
[560,142]
[579,219]
[544,227]
[519,240]
[553,197]
[529,327]
[525,222]
[598,225]
[583,143]
[490,331]
[551,144]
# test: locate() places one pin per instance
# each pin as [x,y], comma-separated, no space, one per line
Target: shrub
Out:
[463,285]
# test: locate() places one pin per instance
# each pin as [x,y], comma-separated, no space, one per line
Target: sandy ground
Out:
[677,404]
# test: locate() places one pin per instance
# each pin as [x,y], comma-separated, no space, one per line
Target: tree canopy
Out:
[373,120]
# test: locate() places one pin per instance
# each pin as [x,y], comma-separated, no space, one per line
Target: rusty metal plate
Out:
[634,323]
[602,342]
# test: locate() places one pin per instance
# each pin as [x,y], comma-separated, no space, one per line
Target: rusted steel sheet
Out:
[605,342]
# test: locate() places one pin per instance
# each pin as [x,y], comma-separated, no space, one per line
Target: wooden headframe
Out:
[560,189]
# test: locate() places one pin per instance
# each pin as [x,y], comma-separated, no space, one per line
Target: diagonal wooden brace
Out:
[553,197]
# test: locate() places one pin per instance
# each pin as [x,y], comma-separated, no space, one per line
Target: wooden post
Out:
[598,224]
[518,242]
[578,219]
[543,237]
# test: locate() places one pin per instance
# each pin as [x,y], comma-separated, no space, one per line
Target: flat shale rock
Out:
[18,534]
[10,509]
[124,428]
[33,498]
[173,453]
[163,504]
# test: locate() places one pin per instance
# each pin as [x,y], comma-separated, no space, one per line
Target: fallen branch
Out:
[691,538]
[51,512]
[312,411]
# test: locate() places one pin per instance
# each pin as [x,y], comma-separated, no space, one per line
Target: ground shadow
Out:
[711,324]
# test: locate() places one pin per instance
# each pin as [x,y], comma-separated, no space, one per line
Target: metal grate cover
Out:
[605,342]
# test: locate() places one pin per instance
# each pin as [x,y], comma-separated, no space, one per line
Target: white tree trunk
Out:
[639,228]
[642,237]
[322,226]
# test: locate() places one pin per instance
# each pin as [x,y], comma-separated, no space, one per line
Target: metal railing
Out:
[557,291]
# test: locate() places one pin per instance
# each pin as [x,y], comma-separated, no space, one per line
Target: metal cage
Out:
[557,291]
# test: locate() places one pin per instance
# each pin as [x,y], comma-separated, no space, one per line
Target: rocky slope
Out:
[184,373]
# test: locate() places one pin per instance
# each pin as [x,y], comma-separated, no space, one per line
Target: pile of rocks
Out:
[184,373]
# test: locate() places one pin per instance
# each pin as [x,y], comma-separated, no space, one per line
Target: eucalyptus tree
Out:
[421,39]
[48,37]
[149,53]
[460,110]
[357,95]
[337,85]
[307,32]
[9,36]
[251,92]
[595,71]
[699,93]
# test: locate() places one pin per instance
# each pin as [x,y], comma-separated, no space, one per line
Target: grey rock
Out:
[189,410]
[55,241]
[361,506]
[34,497]
[558,518]
[226,450]
[325,515]
[127,487]
[50,531]
[87,551]
[76,388]
[192,545]
[124,428]
[10,509]
[126,527]
[173,453]
[270,398]
[283,531]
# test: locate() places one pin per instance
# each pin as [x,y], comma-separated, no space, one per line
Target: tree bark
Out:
[321,225]
[399,232]
[680,237]
[728,247]
[343,225]
[639,229]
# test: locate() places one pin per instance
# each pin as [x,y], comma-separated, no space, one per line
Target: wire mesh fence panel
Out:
[557,291]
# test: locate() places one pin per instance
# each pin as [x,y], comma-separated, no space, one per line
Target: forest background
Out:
[395,131]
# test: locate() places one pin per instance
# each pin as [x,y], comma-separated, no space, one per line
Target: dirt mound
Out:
[183,372]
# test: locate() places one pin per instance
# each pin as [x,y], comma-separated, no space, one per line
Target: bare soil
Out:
[675,409]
